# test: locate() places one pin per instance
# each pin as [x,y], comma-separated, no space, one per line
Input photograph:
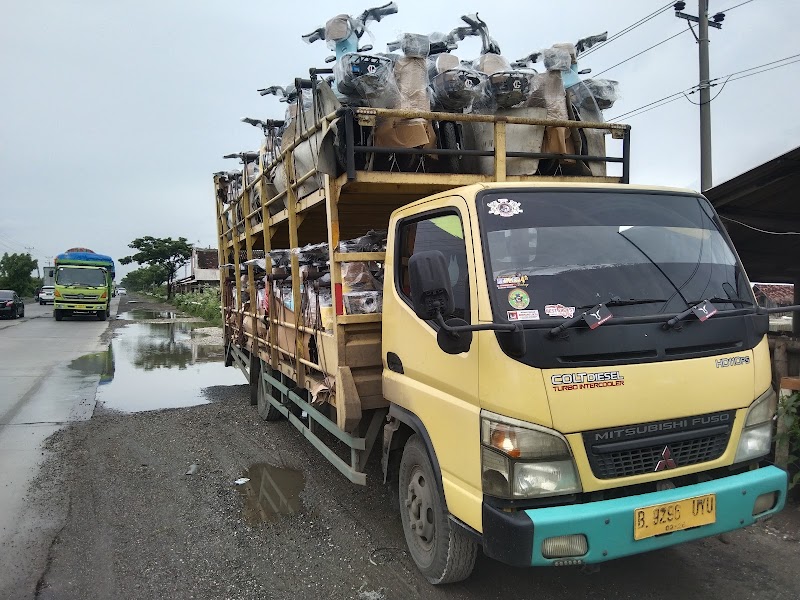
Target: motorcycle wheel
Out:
[450,141]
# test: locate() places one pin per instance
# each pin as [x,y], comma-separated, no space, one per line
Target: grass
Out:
[205,304]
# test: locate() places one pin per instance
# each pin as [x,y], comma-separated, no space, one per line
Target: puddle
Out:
[150,366]
[271,491]
[141,314]
[98,363]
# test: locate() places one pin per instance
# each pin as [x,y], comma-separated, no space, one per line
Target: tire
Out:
[443,553]
[23,313]
[450,142]
[265,410]
[57,314]
[101,315]
[41,302]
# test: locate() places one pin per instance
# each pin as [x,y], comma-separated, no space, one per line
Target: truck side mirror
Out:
[431,291]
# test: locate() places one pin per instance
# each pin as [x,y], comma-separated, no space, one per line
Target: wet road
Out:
[39,395]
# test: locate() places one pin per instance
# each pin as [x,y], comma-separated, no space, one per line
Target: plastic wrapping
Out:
[316,255]
[558,57]
[373,241]
[251,172]
[503,87]
[281,258]
[337,29]
[357,277]
[605,91]
[367,77]
[363,303]
[414,45]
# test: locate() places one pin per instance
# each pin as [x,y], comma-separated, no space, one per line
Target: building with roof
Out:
[203,271]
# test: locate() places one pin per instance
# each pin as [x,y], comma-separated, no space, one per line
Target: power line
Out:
[759,230]
[729,78]
[631,116]
[765,70]
[672,37]
[737,6]
[757,67]
[628,29]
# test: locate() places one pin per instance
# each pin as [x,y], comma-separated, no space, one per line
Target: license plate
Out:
[674,516]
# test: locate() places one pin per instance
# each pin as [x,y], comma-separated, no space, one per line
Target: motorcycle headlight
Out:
[756,438]
[522,460]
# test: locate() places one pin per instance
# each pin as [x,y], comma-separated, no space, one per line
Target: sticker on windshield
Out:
[503,207]
[559,310]
[523,315]
[519,299]
[511,281]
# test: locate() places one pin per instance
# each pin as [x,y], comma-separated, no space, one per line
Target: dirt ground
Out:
[136,526]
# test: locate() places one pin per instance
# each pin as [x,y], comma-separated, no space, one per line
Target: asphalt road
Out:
[124,520]
[38,395]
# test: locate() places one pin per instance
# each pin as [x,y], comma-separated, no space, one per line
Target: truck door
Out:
[438,389]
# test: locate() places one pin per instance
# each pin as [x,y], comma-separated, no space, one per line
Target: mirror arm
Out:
[486,327]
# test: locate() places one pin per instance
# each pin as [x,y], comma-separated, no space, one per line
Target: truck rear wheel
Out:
[58,314]
[442,552]
[265,409]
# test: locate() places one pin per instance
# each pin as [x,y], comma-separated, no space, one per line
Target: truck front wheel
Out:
[58,314]
[442,552]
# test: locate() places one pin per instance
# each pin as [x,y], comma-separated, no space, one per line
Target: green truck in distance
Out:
[84,283]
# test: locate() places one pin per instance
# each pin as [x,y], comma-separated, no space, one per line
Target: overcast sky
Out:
[114,113]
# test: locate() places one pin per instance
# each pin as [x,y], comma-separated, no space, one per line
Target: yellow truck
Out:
[558,369]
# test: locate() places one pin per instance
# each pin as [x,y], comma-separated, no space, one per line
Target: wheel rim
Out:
[419,504]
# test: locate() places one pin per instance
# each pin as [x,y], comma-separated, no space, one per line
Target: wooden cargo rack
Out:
[273,349]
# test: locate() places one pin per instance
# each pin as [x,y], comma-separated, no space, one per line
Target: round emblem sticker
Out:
[519,299]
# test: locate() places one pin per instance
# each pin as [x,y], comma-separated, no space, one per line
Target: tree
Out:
[166,253]
[144,278]
[15,273]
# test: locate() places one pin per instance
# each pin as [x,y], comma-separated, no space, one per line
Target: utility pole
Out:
[706,180]
[705,100]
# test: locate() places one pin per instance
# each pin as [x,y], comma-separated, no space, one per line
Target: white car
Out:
[46,294]
[122,292]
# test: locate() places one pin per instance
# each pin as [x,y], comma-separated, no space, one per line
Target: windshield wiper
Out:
[615,301]
[724,301]
[594,317]
[703,310]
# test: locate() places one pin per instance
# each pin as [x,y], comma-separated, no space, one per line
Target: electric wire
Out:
[760,230]
[728,78]
[628,29]
[682,31]
[737,6]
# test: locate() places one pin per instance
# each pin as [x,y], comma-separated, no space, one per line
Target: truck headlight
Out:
[756,438]
[523,460]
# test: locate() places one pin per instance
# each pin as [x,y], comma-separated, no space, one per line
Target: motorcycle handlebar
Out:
[303,84]
[584,44]
[317,34]
[490,46]
[273,89]
[378,12]
[533,57]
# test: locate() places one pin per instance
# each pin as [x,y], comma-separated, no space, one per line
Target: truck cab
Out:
[575,372]
[83,285]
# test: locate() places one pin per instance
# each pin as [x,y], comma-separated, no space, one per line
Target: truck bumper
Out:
[516,538]
[79,308]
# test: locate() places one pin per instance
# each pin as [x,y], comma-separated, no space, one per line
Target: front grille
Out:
[81,297]
[635,450]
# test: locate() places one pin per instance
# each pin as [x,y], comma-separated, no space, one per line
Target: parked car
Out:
[47,295]
[122,292]
[11,304]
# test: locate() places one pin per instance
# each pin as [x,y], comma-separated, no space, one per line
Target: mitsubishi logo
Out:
[666,461]
[596,315]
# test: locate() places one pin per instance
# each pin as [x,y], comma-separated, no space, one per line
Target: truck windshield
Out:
[78,276]
[552,254]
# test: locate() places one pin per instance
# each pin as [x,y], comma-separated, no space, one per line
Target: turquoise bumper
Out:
[608,524]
